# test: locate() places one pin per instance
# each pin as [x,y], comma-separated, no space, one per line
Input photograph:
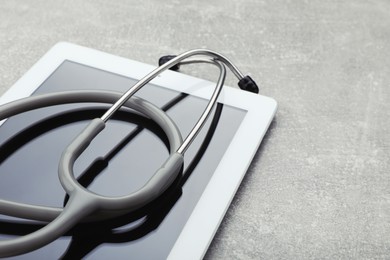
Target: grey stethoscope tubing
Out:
[84,204]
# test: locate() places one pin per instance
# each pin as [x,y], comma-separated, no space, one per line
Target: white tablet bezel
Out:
[212,205]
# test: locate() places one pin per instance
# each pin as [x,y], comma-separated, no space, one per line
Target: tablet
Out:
[178,225]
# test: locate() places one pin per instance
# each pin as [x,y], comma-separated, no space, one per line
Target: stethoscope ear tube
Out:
[73,151]
[155,186]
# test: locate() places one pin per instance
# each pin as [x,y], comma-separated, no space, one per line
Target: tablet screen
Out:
[119,161]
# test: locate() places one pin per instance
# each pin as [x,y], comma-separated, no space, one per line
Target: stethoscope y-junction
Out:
[83,204]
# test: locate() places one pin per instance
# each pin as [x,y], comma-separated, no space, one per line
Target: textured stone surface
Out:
[319,187]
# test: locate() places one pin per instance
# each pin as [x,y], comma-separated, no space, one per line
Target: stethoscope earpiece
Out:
[165,59]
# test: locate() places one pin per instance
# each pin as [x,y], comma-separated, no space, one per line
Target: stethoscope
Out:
[84,205]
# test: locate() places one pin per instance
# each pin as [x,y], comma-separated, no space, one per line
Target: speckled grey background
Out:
[319,187]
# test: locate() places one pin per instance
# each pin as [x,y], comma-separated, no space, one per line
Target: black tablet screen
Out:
[118,162]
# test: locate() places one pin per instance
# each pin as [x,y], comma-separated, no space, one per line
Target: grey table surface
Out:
[319,186]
